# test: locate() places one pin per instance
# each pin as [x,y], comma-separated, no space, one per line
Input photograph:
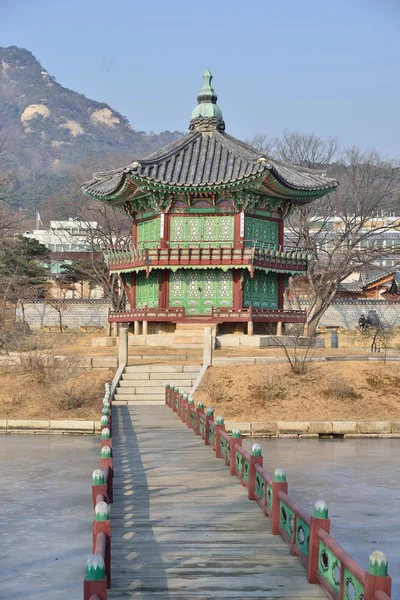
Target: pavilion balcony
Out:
[252,254]
[217,315]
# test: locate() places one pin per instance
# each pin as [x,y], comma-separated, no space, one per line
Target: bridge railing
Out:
[308,536]
[98,567]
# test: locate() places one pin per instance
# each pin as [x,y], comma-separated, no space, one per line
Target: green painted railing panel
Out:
[269,497]
[260,487]
[211,435]
[329,567]
[353,589]
[222,446]
[246,471]
[202,426]
[302,536]
[228,451]
[192,419]
[185,413]
[286,517]
[239,463]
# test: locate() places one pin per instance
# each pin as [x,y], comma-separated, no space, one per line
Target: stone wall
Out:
[77,313]
[345,313]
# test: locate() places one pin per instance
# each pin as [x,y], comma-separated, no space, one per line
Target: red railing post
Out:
[234,440]
[319,520]
[219,426]
[189,412]
[209,417]
[102,524]
[199,410]
[377,578]
[255,458]
[279,483]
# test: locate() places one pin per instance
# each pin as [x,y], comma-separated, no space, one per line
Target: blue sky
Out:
[329,67]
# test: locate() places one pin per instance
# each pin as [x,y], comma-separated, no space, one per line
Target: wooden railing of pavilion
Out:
[308,536]
[216,315]
[280,258]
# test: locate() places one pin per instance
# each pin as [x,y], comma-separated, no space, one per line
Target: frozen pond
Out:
[46,515]
[358,478]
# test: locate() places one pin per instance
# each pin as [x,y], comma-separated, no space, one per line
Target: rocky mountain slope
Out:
[50,130]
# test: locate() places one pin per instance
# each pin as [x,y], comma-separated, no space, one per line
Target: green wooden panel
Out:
[302,536]
[269,497]
[329,567]
[239,463]
[353,589]
[286,519]
[222,446]
[148,233]
[260,487]
[260,231]
[146,290]
[199,290]
[205,231]
[261,291]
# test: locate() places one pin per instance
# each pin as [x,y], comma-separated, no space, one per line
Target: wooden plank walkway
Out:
[182,527]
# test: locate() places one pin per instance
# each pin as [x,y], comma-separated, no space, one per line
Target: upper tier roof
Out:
[208,157]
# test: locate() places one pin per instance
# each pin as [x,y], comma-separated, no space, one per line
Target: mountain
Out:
[51,130]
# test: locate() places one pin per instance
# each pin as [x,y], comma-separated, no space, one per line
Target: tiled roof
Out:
[204,158]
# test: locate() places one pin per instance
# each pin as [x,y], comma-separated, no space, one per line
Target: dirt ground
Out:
[328,391]
[77,397]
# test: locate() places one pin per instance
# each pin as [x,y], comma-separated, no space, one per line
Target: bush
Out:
[269,390]
[339,389]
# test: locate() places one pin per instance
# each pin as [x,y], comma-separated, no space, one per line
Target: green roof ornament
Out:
[207,100]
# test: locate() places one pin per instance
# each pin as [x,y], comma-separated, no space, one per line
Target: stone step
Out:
[179,345]
[153,383]
[140,397]
[146,390]
[162,368]
[167,377]
[139,403]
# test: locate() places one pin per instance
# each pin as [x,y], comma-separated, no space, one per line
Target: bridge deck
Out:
[183,527]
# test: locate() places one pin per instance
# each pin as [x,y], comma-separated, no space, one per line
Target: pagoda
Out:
[207,216]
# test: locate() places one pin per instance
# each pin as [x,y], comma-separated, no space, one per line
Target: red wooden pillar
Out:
[134,233]
[237,289]
[163,290]
[281,232]
[319,520]
[281,289]
[238,230]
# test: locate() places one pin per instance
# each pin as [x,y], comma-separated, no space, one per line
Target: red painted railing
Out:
[98,568]
[258,315]
[210,253]
[308,536]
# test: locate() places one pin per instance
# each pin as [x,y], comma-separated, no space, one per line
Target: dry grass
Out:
[356,390]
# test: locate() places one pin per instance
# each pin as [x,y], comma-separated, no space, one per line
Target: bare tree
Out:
[262,142]
[306,150]
[367,185]
[7,176]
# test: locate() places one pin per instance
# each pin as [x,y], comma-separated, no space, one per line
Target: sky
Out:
[328,67]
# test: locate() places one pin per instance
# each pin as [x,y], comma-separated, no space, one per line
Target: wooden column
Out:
[237,289]
[281,232]
[134,233]
[163,289]
[238,230]
[281,286]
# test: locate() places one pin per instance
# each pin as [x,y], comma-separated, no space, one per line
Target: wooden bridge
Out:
[182,526]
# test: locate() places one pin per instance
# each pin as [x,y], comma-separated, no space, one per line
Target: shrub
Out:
[339,389]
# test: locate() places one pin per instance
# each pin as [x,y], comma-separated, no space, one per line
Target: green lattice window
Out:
[146,290]
[205,231]
[261,291]
[148,233]
[199,290]
[260,231]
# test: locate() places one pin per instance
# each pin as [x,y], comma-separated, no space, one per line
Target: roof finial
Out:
[207,107]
